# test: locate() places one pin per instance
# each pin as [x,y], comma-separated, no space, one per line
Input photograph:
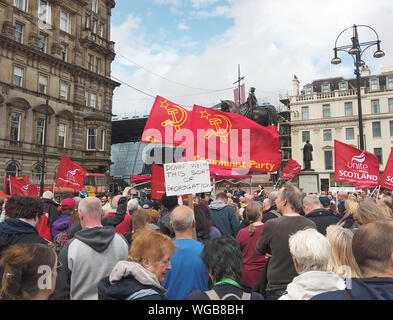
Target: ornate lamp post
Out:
[356,49]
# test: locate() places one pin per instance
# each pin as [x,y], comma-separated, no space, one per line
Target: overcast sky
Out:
[188,50]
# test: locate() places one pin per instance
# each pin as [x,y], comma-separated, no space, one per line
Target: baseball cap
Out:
[68,203]
[325,201]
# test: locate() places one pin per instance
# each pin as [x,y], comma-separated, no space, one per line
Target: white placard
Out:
[338,189]
[187,177]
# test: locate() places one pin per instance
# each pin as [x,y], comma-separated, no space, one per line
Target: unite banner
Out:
[70,174]
[23,187]
[355,166]
[291,170]
[167,123]
[232,141]
[387,177]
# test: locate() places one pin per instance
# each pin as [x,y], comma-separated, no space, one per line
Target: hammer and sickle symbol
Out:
[177,121]
[219,132]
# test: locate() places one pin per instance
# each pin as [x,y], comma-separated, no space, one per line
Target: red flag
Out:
[70,174]
[232,141]
[236,95]
[291,170]
[23,187]
[242,96]
[355,166]
[157,182]
[166,123]
[387,177]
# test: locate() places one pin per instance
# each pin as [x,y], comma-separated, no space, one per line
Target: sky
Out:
[188,51]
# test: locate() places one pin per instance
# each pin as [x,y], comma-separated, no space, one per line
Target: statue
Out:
[263,115]
[307,155]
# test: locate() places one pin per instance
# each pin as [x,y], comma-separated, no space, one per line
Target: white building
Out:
[327,109]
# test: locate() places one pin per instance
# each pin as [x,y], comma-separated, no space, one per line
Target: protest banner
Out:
[387,177]
[187,177]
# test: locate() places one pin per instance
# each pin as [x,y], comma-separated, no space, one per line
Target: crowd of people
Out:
[278,245]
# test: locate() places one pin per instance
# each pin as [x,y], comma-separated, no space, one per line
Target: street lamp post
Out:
[356,51]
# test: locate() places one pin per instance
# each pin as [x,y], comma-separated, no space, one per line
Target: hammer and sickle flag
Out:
[237,142]
[166,118]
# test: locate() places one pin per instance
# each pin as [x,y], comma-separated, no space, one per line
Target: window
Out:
[348,109]
[18,76]
[102,146]
[374,106]
[40,131]
[90,62]
[325,87]
[36,174]
[61,142]
[64,51]
[390,104]
[42,84]
[93,100]
[63,91]
[326,111]
[101,31]
[98,65]
[21,4]
[376,129]
[343,85]
[15,126]
[349,133]
[378,153]
[44,11]
[328,160]
[94,26]
[94,6]
[389,82]
[391,127]
[86,98]
[18,32]
[87,22]
[65,21]
[91,138]
[308,89]
[305,136]
[43,42]
[327,135]
[12,170]
[305,113]
[99,103]
[374,84]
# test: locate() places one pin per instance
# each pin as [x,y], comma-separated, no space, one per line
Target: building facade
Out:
[60,52]
[327,109]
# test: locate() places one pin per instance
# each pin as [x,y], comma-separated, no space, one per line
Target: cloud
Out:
[202,3]
[183,26]
[217,12]
[271,40]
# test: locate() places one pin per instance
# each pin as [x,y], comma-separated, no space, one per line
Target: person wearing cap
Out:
[61,224]
[315,212]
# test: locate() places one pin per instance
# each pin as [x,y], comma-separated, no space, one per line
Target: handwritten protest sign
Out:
[187,177]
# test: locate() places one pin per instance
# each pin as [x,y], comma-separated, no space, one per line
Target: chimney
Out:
[365,71]
[295,86]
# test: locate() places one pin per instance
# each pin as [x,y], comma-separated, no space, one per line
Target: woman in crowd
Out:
[253,264]
[223,261]
[346,220]
[367,212]
[341,260]
[154,215]
[25,267]
[139,278]
[66,208]
[204,226]
[139,220]
[386,210]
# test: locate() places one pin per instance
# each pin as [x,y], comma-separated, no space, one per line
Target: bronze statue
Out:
[263,115]
[307,155]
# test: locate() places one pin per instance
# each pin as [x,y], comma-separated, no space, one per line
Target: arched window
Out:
[36,174]
[12,170]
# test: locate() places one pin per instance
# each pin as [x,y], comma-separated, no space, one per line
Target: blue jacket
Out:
[375,288]
[224,218]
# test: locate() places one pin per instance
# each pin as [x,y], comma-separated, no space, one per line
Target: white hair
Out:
[312,200]
[91,206]
[132,205]
[311,250]
[47,195]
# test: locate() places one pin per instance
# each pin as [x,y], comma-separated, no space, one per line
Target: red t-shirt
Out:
[124,226]
[253,264]
[43,228]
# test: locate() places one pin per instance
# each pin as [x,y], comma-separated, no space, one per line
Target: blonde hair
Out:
[386,210]
[351,205]
[367,212]
[253,213]
[341,254]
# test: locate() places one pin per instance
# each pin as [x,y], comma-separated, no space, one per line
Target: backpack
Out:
[212,294]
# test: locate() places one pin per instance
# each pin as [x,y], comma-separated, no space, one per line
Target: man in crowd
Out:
[188,272]
[341,197]
[372,247]
[274,240]
[322,217]
[247,200]
[169,203]
[223,216]
[50,207]
[270,208]
[90,255]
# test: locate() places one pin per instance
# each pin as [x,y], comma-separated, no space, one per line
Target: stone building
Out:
[327,109]
[60,52]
